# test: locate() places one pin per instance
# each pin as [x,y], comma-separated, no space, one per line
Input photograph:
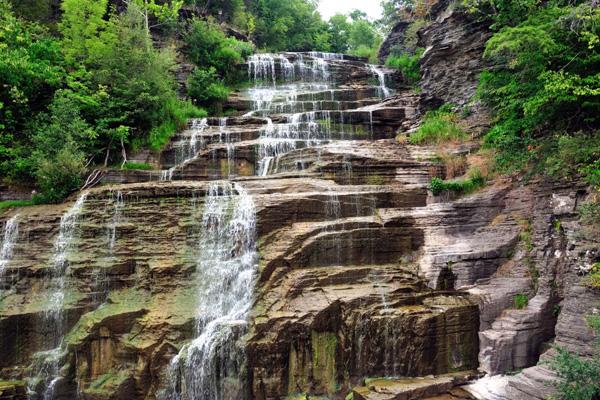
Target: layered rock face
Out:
[351,268]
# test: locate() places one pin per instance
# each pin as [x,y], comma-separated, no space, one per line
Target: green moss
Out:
[16,203]
[137,166]
[375,180]
[125,301]
[324,347]
[107,383]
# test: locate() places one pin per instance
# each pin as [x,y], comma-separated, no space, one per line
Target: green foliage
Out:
[579,376]
[81,26]
[29,72]
[205,87]
[129,165]
[103,87]
[291,25]
[208,47]
[408,65]
[520,301]
[339,33]
[16,203]
[177,115]
[545,79]
[593,279]
[438,126]
[589,212]
[459,186]
[60,176]
[568,155]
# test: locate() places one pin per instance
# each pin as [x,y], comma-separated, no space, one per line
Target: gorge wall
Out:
[294,250]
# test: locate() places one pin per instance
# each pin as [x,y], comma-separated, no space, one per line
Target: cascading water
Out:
[47,364]
[383,89]
[187,150]
[9,239]
[211,367]
[118,204]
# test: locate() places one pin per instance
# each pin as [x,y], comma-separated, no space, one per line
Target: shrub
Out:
[208,47]
[459,186]
[177,115]
[59,177]
[408,65]
[589,212]
[593,280]
[438,126]
[366,52]
[206,88]
[579,376]
[573,154]
[520,301]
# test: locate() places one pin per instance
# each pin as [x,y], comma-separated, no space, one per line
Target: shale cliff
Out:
[294,250]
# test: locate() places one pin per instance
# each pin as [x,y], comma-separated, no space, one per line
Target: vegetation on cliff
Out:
[83,85]
[543,84]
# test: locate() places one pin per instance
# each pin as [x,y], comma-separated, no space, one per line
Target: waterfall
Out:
[225,137]
[261,67]
[187,150]
[383,89]
[118,204]
[211,366]
[47,364]
[9,239]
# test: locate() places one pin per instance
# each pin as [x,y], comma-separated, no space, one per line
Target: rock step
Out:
[13,390]
[411,388]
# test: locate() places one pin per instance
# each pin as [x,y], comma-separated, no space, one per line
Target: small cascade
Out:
[47,364]
[326,56]
[261,68]
[301,130]
[225,137]
[383,89]
[187,151]
[118,202]
[9,239]
[211,367]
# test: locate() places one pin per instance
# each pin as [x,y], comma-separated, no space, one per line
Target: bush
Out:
[205,87]
[520,301]
[578,376]
[408,65]
[545,63]
[59,177]
[593,279]
[566,155]
[209,48]
[459,186]
[177,115]
[438,126]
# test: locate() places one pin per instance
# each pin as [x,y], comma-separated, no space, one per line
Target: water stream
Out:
[47,365]
[9,239]
[211,367]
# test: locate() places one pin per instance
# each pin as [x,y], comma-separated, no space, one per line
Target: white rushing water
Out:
[47,364]
[186,151]
[9,239]
[211,366]
[118,203]
[384,91]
